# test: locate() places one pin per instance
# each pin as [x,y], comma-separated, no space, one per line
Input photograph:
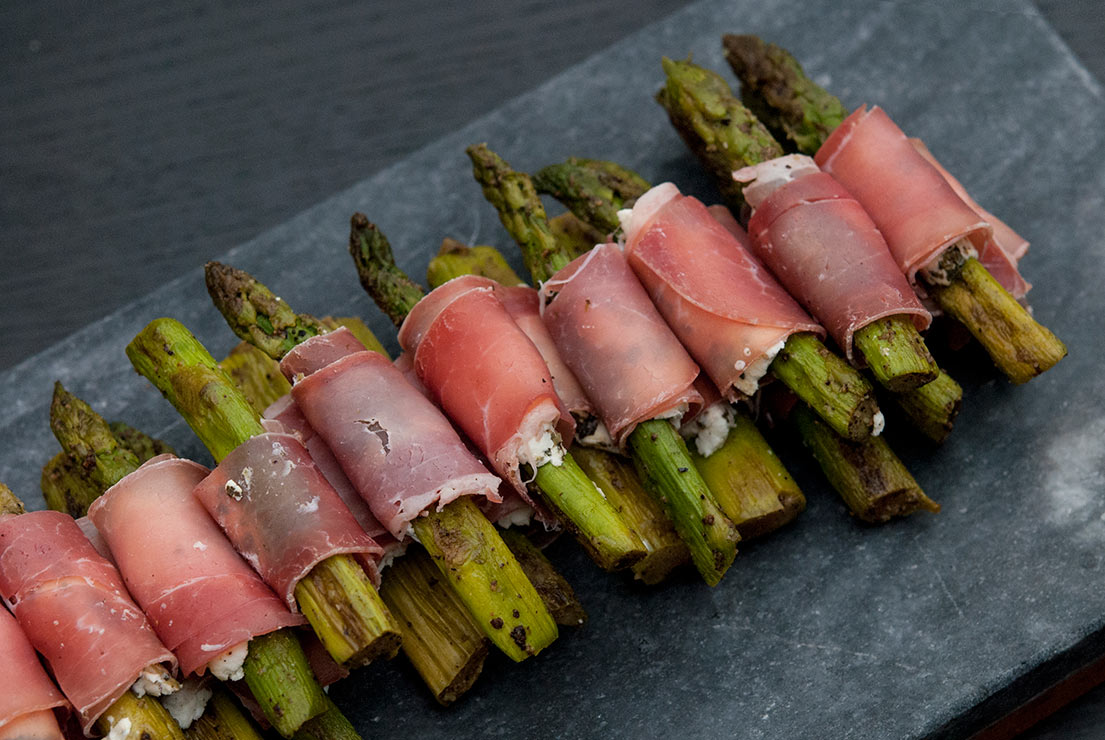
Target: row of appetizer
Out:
[361,505]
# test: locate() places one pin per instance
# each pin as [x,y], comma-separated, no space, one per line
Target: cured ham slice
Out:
[821,244]
[74,609]
[1010,246]
[285,416]
[394,445]
[282,515]
[911,202]
[28,691]
[198,593]
[611,336]
[523,305]
[485,373]
[726,308]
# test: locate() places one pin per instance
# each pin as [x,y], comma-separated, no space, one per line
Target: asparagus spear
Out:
[659,453]
[1020,346]
[664,551]
[868,475]
[276,669]
[222,720]
[440,638]
[565,488]
[479,567]
[145,715]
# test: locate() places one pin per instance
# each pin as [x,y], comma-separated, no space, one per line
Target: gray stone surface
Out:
[931,626]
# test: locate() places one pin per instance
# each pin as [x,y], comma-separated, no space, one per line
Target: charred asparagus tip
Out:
[88,440]
[254,313]
[9,502]
[394,292]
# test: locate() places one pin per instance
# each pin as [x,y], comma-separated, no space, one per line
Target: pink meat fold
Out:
[394,445]
[725,307]
[282,515]
[615,342]
[824,248]
[911,202]
[484,372]
[74,609]
[27,688]
[198,593]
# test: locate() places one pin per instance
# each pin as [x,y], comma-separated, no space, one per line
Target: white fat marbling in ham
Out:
[910,200]
[725,307]
[626,358]
[487,375]
[823,247]
[74,609]
[282,515]
[199,595]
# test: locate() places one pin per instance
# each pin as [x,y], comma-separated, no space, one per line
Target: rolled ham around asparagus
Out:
[911,201]
[284,415]
[487,375]
[282,515]
[74,609]
[616,343]
[395,446]
[200,596]
[726,308]
[28,696]
[823,247]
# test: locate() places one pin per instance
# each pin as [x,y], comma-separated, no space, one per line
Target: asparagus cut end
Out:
[896,354]
[932,408]
[346,612]
[559,597]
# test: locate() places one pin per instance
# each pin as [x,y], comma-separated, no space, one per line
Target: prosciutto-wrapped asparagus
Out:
[29,695]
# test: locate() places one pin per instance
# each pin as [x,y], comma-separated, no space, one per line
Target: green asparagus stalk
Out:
[618,482]
[440,638]
[143,717]
[659,454]
[330,725]
[573,235]
[180,367]
[484,560]
[932,408]
[556,592]
[752,486]
[593,190]
[63,487]
[575,499]
[868,475]
[222,720]
[1019,346]
[276,668]
[256,375]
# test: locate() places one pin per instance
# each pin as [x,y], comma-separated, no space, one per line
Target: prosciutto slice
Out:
[1000,255]
[394,445]
[199,595]
[75,611]
[27,688]
[282,515]
[911,202]
[817,239]
[725,307]
[611,336]
[485,373]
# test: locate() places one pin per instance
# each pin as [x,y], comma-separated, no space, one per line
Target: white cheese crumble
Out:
[710,428]
[676,413]
[878,423]
[119,730]
[520,517]
[544,448]
[187,705]
[227,666]
[390,555]
[749,381]
[233,490]
[154,680]
[934,274]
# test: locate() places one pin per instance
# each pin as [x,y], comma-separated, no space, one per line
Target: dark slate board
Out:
[931,626]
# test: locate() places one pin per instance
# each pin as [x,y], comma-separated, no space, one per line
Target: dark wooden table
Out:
[138,140]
